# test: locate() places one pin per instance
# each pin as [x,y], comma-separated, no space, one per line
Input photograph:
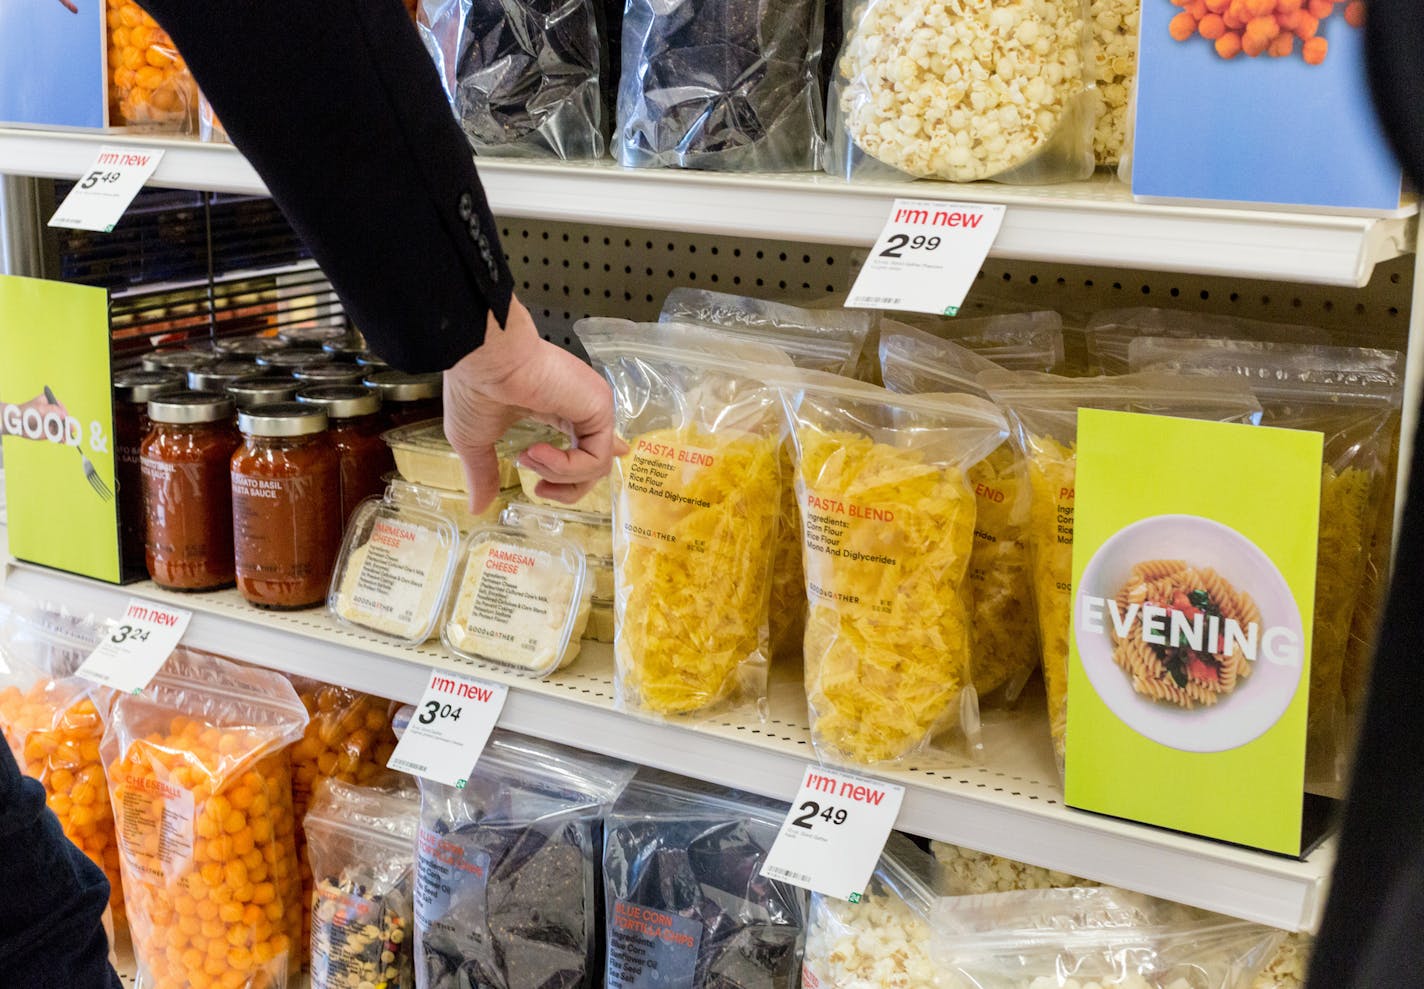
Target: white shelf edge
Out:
[1092,223]
[988,815]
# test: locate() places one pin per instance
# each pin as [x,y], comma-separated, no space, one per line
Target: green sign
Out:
[1193,583]
[56,424]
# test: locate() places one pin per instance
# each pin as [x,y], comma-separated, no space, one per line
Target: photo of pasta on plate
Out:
[1183,633]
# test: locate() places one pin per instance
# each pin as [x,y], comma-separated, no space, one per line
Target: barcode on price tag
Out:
[834,833]
[136,646]
[927,256]
[449,729]
[102,194]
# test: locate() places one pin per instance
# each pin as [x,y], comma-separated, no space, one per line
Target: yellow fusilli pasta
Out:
[1051,469]
[1345,516]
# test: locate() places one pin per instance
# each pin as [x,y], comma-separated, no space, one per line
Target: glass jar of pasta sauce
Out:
[407,398]
[262,389]
[187,495]
[335,373]
[217,376]
[286,505]
[354,414]
[287,361]
[248,347]
[177,359]
[132,391]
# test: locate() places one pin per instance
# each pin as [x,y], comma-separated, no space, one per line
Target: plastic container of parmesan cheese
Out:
[425,456]
[593,532]
[396,565]
[520,600]
[455,504]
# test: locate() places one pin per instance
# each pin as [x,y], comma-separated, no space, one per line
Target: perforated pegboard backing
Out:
[567,271]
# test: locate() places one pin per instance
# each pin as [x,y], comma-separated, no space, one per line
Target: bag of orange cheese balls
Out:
[202,795]
[53,722]
[149,81]
[348,738]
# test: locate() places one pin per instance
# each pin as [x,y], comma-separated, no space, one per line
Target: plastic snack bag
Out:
[1043,418]
[1004,630]
[828,340]
[506,887]
[348,738]
[1110,332]
[992,90]
[882,942]
[1076,937]
[202,798]
[1019,341]
[53,722]
[1113,71]
[887,514]
[694,512]
[361,842]
[150,82]
[965,872]
[524,77]
[724,85]
[1352,396]
[683,889]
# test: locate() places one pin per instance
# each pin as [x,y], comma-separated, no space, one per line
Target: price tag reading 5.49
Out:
[136,646]
[927,256]
[450,729]
[834,833]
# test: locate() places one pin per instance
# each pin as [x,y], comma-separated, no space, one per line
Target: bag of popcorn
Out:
[1043,418]
[992,89]
[695,507]
[887,525]
[1077,938]
[1352,395]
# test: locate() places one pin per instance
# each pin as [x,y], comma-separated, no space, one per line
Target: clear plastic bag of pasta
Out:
[882,941]
[887,521]
[1043,419]
[723,85]
[201,789]
[695,506]
[1076,937]
[506,869]
[348,738]
[361,841]
[1019,341]
[524,77]
[54,721]
[1110,332]
[992,90]
[1003,626]
[829,340]
[1352,396]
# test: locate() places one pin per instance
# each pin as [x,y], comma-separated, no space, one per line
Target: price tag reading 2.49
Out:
[927,256]
[450,728]
[834,833]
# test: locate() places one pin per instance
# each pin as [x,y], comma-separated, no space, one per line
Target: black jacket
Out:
[340,110]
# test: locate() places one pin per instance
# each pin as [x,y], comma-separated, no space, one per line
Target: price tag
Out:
[101,195]
[449,729]
[834,833]
[135,647]
[927,257]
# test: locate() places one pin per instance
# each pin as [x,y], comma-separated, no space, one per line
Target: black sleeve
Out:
[339,108]
[51,931]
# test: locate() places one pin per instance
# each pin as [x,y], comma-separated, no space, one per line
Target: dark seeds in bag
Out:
[721,84]
[527,78]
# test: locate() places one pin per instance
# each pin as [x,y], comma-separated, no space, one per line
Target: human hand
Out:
[517,375]
[69,6]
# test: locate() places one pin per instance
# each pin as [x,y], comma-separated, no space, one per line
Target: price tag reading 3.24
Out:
[834,833]
[449,729]
[927,256]
[136,646]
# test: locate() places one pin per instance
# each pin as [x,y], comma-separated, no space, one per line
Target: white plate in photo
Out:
[1259,700]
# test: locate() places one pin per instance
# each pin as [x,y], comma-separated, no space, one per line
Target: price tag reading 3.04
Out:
[449,729]
[834,833]
[136,646]
[927,256]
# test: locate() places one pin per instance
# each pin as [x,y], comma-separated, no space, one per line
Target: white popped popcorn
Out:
[1113,69]
[878,943]
[961,89]
[966,872]
[1287,967]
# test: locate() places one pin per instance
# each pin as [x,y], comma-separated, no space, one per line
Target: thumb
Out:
[481,467]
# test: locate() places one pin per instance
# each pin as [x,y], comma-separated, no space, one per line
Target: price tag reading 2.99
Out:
[902,242]
[451,726]
[834,833]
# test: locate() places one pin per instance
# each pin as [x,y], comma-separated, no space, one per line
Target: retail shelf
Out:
[1094,223]
[1011,806]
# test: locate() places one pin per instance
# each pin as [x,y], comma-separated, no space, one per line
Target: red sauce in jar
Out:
[355,430]
[407,398]
[132,390]
[286,504]
[186,491]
